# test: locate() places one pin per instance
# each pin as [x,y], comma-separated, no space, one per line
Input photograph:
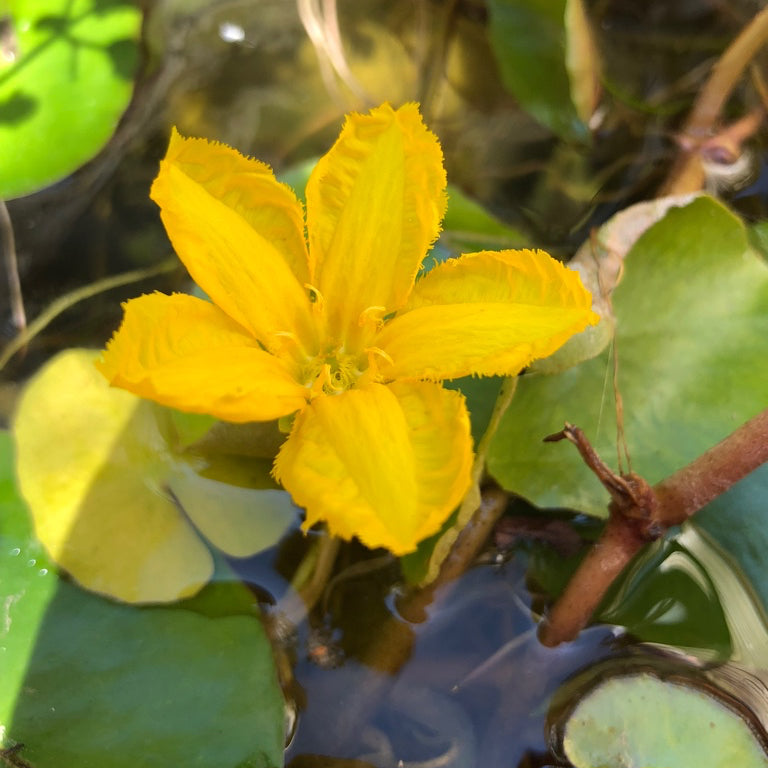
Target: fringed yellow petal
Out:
[239,234]
[387,464]
[186,353]
[250,188]
[374,206]
[488,313]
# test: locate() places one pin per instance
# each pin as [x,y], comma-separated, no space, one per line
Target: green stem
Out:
[310,579]
[55,308]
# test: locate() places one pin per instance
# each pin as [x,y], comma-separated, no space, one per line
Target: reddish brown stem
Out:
[626,532]
[714,472]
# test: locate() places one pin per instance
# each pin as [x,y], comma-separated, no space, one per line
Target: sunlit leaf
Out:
[62,95]
[106,492]
[692,324]
[547,60]
[640,720]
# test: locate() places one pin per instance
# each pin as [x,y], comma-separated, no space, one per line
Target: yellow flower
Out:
[338,329]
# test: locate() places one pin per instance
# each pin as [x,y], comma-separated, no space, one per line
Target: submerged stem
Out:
[687,174]
[310,579]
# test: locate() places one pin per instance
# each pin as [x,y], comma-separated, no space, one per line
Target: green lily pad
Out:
[97,684]
[642,721]
[691,332]
[27,584]
[112,501]
[548,61]
[70,79]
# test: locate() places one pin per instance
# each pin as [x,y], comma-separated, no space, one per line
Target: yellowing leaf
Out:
[86,455]
[104,489]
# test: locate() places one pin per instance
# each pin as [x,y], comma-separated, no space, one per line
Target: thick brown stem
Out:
[626,532]
[714,472]
[618,544]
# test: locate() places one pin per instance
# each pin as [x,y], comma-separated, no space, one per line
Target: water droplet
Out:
[15,552]
[43,571]
[230,32]
[31,562]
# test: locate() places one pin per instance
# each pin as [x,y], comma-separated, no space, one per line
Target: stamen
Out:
[372,373]
[374,351]
[322,380]
[287,343]
[372,316]
[315,299]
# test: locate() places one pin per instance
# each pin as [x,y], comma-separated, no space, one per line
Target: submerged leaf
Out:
[639,720]
[547,60]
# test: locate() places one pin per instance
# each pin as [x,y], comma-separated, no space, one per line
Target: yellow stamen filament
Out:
[372,316]
[315,299]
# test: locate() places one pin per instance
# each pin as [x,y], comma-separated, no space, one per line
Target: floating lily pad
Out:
[67,79]
[112,501]
[96,684]
[641,721]
[691,329]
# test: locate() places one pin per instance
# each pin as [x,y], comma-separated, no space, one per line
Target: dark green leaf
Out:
[532,40]
[95,684]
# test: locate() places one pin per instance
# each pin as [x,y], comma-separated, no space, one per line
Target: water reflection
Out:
[474,691]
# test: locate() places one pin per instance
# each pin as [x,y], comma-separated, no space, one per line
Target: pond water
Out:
[473,687]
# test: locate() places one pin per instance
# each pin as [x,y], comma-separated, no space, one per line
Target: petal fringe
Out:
[186,353]
[374,206]
[487,313]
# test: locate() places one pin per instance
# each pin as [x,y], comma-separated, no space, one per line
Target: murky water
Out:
[476,687]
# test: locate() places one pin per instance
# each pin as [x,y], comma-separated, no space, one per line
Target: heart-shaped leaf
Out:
[691,330]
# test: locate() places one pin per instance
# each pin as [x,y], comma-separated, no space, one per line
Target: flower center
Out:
[341,363]
[334,372]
